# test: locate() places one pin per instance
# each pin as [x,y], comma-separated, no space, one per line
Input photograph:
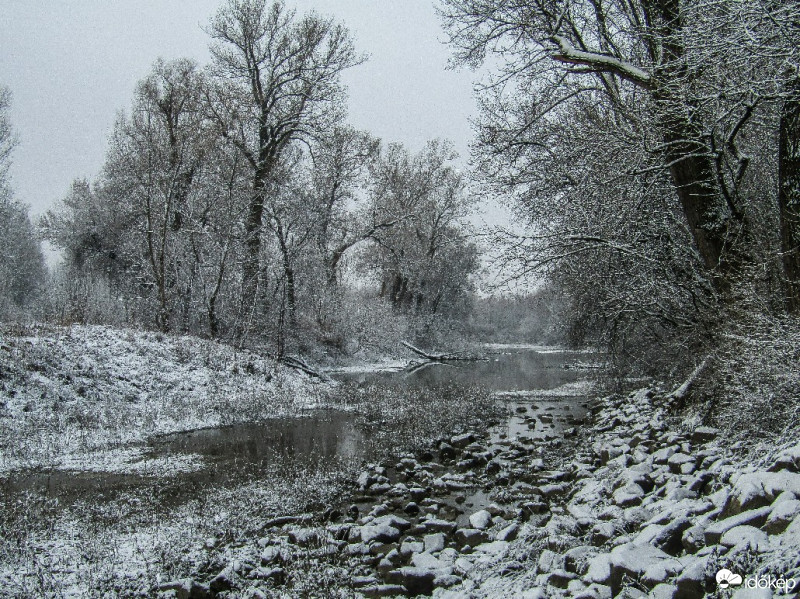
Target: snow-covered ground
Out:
[89,397]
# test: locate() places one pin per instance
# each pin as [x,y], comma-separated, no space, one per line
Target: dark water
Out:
[322,434]
[318,437]
[504,370]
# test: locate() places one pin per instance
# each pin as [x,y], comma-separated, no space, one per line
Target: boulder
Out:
[480,520]
[471,537]
[755,489]
[509,533]
[746,537]
[677,461]
[663,591]
[693,581]
[434,542]
[703,434]
[417,581]
[757,517]
[782,515]
[788,459]
[382,590]
[383,533]
[693,538]
[630,494]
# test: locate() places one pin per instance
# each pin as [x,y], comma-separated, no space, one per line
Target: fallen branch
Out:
[441,357]
[301,365]
[680,394]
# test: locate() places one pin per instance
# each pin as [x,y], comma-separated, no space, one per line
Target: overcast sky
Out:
[73,64]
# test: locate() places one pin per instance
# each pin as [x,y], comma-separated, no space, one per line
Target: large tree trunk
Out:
[691,168]
[789,194]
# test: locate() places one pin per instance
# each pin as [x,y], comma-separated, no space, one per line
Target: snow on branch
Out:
[600,62]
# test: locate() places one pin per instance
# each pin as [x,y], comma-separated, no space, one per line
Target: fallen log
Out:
[299,364]
[441,357]
[679,395]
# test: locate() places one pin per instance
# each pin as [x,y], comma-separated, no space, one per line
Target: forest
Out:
[649,154]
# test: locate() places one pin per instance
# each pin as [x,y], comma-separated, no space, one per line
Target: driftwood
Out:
[441,357]
[299,364]
[679,395]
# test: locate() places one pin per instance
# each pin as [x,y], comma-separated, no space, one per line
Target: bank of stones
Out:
[633,509]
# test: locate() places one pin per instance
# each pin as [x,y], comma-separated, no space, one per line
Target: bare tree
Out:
[277,81]
[649,52]
[156,155]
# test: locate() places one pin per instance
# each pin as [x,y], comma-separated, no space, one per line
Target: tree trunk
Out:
[789,194]
[251,265]
[691,167]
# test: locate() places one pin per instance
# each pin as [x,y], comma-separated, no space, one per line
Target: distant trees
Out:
[640,142]
[424,261]
[22,268]
[232,195]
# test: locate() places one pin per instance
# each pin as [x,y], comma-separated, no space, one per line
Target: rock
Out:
[426,561]
[663,591]
[446,580]
[745,593]
[495,548]
[577,559]
[222,581]
[703,434]
[446,452]
[753,518]
[438,525]
[363,581]
[480,519]
[461,441]
[417,581]
[550,561]
[408,547]
[755,489]
[789,459]
[663,455]
[635,560]
[272,554]
[471,537]
[693,539]
[746,537]
[661,571]
[602,532]
[509,533]
[599,570]
[693,581]
[305,537]
[560,579]
[383,590]
[678,460]
[630,494]
[364,480]
[412,508]
[434,542]
[382,533]
[782,515]
[669,539]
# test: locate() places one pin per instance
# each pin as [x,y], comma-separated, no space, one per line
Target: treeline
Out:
[236,202]
[652,148]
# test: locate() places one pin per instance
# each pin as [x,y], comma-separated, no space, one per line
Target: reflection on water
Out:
[324,434]
[515,370]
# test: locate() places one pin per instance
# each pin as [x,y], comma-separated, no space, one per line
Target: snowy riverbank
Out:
[86,396]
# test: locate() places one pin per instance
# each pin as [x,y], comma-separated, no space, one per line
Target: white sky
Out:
[72,64]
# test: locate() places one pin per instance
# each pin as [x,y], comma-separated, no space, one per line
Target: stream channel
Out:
[541,386]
